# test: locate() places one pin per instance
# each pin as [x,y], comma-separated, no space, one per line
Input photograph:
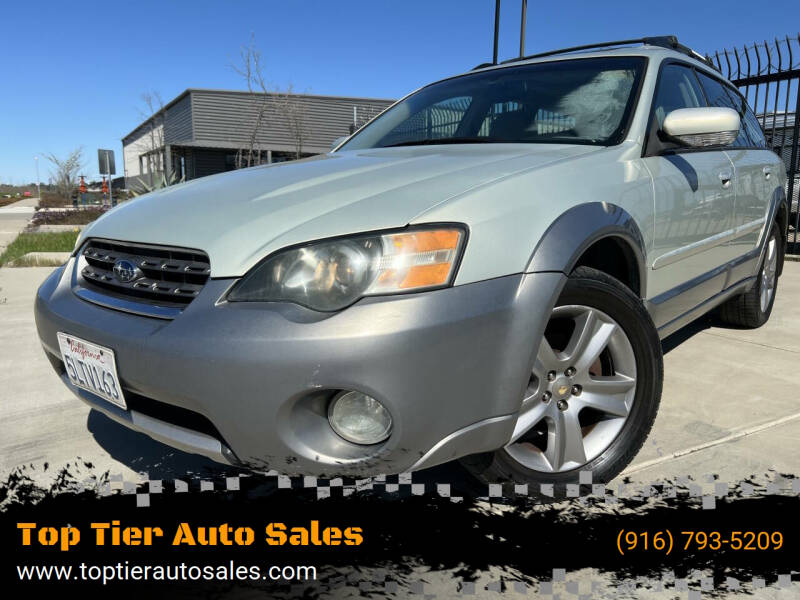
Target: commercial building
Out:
[202,132]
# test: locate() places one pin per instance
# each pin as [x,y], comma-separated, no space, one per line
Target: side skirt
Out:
[682,305]
[701,309]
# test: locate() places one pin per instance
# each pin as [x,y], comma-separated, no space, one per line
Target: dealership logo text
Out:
[114,534]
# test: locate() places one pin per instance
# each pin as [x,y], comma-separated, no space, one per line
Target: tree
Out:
[294,112]
[269,106]
[249,154]
[363,115]
[153,114]
[66,171]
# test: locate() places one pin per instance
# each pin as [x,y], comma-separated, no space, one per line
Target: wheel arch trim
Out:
[778,201]
[577,229]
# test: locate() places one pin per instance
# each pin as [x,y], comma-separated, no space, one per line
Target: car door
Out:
[694,197]
[752,167]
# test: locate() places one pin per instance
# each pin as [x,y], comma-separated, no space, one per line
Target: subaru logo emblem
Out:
[126,271]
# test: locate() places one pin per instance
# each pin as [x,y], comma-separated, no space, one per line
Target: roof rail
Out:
[664,41]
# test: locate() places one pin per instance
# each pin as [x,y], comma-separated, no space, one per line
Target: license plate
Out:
[92,368]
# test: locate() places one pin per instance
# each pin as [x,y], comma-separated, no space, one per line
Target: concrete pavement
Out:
[14,218]
[729,405]
[44,423]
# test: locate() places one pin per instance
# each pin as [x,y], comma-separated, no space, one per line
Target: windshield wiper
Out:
[450,140]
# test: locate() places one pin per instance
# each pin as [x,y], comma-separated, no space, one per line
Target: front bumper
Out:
[450,365]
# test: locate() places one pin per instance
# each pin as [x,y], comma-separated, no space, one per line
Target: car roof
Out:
[660,49]
[657,52]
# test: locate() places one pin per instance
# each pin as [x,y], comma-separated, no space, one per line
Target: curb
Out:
[40,259]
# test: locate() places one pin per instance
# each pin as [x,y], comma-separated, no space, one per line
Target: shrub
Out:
[78,216]
[53,199]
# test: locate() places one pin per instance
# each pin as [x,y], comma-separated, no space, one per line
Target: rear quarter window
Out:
[753,128]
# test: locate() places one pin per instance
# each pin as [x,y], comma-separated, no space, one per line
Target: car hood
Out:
[242,216]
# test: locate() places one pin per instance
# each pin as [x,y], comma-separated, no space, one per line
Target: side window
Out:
[718,95]
[677,88]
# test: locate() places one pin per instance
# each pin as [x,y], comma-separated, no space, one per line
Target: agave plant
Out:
[158,183]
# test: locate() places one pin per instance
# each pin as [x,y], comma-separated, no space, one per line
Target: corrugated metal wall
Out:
[207,127]
[226,119]
[178,125]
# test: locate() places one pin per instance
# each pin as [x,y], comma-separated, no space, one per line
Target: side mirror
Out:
[338,141]
[701,127]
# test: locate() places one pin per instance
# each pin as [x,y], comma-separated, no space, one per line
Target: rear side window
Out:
[719,95]
[753,128]
[677,88]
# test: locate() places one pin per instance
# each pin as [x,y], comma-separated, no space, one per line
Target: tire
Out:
[753,308]
[632,352]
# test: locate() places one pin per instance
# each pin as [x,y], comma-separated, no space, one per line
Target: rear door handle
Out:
[725,178]
[767,172]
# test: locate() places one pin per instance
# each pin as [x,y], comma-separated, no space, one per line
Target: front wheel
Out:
[593,393]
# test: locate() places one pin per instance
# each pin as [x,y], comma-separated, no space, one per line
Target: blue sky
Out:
[72,73]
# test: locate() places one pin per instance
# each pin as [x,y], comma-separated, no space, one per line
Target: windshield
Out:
[579,101]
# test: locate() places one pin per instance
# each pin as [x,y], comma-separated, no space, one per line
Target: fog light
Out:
[359,418]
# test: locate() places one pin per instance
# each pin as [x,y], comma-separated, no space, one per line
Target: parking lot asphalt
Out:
[729,408]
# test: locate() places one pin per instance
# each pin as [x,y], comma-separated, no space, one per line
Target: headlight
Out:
[331,275]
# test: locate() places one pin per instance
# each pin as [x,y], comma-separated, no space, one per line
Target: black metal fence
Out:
[768,74]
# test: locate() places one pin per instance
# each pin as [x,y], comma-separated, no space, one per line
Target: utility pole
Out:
[496,29]
[523,20]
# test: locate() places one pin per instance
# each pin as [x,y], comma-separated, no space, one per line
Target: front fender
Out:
[575,230]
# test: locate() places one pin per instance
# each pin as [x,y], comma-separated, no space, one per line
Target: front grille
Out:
[162,275]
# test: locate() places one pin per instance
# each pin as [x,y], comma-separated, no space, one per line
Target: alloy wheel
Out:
[580,394]
[768,274]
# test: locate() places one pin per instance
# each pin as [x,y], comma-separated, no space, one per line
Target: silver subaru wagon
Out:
[484,272]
